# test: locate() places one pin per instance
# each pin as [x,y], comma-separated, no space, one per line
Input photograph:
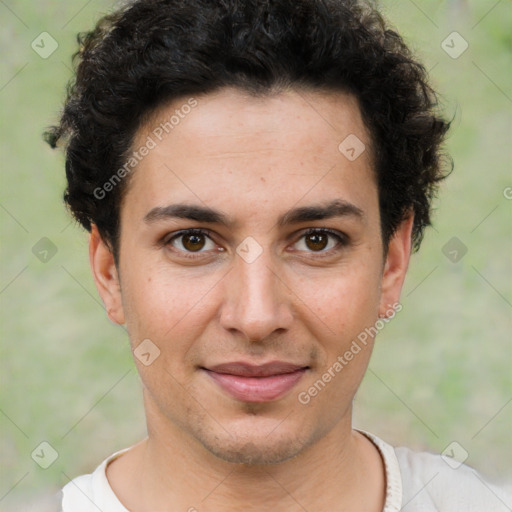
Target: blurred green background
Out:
[441,371]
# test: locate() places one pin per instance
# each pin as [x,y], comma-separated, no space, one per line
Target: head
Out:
[300,140]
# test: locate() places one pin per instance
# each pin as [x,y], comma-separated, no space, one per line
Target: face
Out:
[251,259]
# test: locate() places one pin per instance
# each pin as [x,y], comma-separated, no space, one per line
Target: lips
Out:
[256,383]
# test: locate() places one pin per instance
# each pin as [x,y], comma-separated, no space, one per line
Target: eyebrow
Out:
[336,208]
[204,214]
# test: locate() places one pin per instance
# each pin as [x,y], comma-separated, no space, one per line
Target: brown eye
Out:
[317,241]
[321,241]
[193,242]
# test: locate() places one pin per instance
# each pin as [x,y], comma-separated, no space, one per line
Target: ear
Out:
[395,266]
[105,276]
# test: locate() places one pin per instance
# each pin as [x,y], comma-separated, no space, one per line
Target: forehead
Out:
[292,114]
[268,149]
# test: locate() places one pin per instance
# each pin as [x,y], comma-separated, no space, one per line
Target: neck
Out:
[341,471]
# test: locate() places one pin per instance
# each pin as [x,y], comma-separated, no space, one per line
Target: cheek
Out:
[347,306]
[346,300]
[171,314]
[167,308]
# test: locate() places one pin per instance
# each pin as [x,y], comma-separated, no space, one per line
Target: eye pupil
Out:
[317,241]
[193,242]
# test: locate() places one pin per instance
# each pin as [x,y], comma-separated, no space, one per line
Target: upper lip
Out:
[243,369]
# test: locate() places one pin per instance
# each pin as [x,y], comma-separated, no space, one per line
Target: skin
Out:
[253,159]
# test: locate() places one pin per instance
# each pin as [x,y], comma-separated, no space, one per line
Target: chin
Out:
[255,444]
[254,453]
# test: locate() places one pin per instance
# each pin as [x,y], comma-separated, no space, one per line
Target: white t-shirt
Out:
[415,482]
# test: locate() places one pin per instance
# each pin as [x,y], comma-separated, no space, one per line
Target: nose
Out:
[257,300]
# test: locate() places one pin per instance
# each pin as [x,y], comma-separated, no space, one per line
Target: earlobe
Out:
[395,267]
[105,276]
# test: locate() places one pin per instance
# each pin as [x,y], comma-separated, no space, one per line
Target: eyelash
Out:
[196,231]
[342,240]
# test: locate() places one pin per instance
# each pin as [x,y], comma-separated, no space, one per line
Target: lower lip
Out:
[257,389]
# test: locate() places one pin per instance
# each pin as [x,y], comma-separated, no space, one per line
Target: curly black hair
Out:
[153,51]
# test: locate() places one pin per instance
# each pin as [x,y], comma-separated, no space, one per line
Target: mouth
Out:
[256,383]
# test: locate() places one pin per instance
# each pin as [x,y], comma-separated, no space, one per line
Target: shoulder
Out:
[90,493]
[78,494]
[435,482]
[427,482]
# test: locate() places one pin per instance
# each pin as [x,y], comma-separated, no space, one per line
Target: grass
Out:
[440,371]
